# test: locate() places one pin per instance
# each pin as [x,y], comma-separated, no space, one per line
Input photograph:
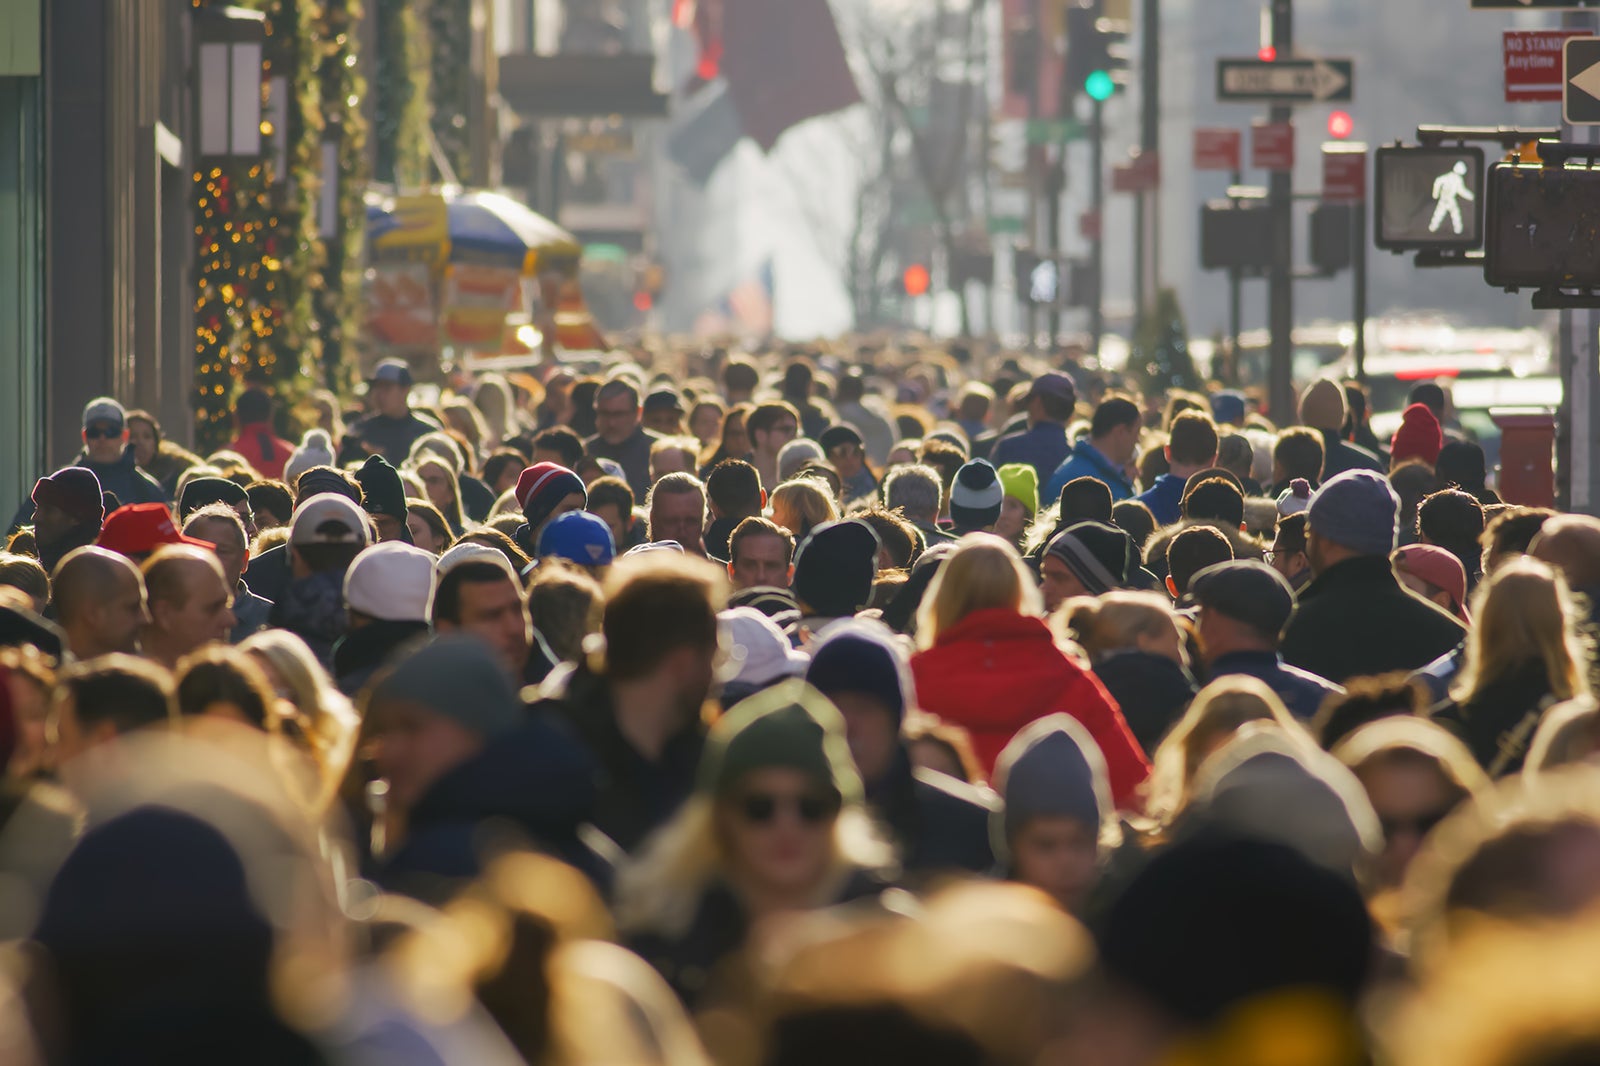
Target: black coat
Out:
[1499,721]
[1339,455]
[360,653]
[533,786]
[1357,620]
[270,573]
[391,438]
[1152,690]
[637,795]
[939,823]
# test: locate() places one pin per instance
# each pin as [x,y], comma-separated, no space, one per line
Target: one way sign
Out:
[1288,81]
[1580,81]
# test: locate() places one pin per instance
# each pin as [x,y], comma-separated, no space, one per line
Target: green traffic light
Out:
[1099,86]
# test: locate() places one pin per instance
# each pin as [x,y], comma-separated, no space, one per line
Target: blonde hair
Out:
[660,891]
[1217,713]
[1523,613]
[1405,736]
[1568,733]
[983,572]
[803,504]
[455,514]
[1113,622]
[330,722]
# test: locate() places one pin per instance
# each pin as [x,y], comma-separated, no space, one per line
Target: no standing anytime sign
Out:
[1533,64]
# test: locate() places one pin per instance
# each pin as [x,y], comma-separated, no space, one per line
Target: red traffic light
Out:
[916,280]
[1341,125]
[1267,54]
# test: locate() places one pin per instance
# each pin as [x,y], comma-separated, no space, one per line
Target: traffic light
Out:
[1332,227]
[916,280]
[1096,50]
[1341,125]
[1236,235]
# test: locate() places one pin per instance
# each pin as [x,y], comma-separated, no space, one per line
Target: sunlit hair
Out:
[983,572]
[327,719]
[1568,733]
[1217,713]
[453,511]
[1523,613]
[660,891]
[1405,739]
[1104,625]
[803,504]
[1496,858]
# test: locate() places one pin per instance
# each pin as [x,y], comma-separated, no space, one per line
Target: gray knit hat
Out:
[459,678]
[1052,767]
[1357,510]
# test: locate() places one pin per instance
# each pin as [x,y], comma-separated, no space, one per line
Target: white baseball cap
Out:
[318,521]
[392,582]
[759,653]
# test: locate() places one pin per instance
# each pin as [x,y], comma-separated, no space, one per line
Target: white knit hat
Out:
[316,449]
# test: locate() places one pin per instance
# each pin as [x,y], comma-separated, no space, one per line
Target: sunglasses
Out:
[759,808]
[101,433]
[1421,825]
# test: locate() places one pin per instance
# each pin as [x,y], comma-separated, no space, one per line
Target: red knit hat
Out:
[544,485]
[1419,437]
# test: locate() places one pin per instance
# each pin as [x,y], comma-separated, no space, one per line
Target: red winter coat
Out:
[996,671]
[266,451]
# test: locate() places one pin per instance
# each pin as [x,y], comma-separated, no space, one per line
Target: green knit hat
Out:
[790,726]
[1021,482]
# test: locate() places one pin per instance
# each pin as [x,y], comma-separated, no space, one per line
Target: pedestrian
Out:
[776,826]
[460,755]
[1323,409]
[68,511]
[937,824]
[1107,451]
[99,601]
[989,663]
[1523,654]
[1192,447]
[733,494]
[1021,503]
[107,455]
[976,499]
[326,534]
[157,456]
[1058,825]
[1049,403]
[1453,520]
[834,569]
[915,491]
[190,602]
[1088,559]
[392,426]
[388,597]
[1288,554]
[844,447]
[220,526]
[1137,649]
[1435,575]
[427,527]
[1244,607]
[638,708]
[256,438]
[676,510]
[1354,617]
[1417,437]
[621,435]
[760,555]
[480,594]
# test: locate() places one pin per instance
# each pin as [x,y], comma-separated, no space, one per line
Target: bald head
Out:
[99,599]
[190,602]
[1571,544]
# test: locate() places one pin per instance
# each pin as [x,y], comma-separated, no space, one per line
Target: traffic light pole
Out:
[1097,192]
[1147,205]
[1280,280]
[1235,293]
[1358,271]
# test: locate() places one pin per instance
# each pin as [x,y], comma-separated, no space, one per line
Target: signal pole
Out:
[1147,205]
[1280,279]
[1097,192]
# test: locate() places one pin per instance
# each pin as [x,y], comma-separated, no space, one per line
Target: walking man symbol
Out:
[1449,189]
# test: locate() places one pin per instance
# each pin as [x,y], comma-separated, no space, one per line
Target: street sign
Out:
[1287,81]
[1531,5]
[1532,62]
[1272,145]
[1344,172]
[1140,174]
[1217,149]
[1090,226]
[1055,130]
[1580,77]
[1429,199]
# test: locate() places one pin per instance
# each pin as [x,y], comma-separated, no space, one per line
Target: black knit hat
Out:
[203,491]
[382,491]
[1102,557]
[835,566]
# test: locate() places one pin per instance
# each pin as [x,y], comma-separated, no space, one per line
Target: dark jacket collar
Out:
[370,646]
[1365,571]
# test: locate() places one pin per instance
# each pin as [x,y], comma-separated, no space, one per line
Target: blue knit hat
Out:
[1357,510]
[861,657]
[1052,768]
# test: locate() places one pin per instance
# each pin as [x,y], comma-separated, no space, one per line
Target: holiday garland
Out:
[343,91]
[450,32]
[401,90]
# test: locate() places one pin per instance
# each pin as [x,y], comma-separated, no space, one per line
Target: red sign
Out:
[1344,173]
[1089,227]
[1533,64]
[1217,149]
[1272,145]
[1140,174]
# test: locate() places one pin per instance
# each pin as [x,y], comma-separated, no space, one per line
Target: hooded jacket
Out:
[996,671]
[1151,690]
[1357,620]
[1086,461]
[312,608]
[534,785]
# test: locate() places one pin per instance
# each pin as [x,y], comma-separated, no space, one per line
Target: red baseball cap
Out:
[140,528]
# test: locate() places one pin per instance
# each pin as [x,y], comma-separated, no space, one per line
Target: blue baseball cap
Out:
[579,537]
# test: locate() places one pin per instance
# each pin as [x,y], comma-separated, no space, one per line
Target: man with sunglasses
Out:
[106,453]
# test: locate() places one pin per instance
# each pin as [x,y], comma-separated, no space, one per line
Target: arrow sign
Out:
[1288,81]
[1580,76]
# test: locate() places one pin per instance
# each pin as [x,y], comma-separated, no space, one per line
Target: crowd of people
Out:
[860,703]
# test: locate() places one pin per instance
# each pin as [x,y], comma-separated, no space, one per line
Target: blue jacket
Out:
[1043,444]
[1165,498]
[1300,690]
[1086,461]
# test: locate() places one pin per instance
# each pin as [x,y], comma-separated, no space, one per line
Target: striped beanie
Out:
[542,487]
[1102,557]
[976,496]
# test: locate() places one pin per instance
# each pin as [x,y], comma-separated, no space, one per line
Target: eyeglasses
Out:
[761,808]
[101,433]
[1421,825]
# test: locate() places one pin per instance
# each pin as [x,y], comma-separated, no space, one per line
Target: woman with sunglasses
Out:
[776,826]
